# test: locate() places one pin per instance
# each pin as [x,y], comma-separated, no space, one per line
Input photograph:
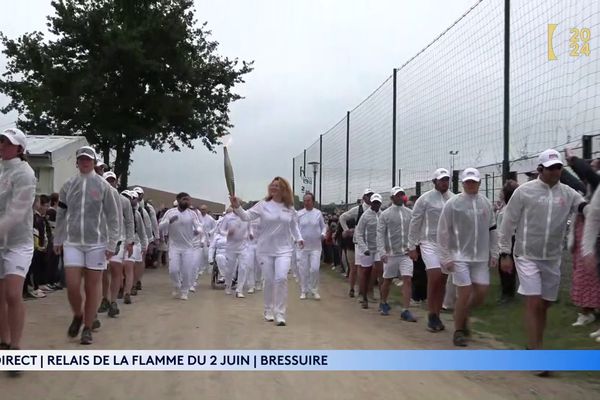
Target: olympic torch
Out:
[228,173]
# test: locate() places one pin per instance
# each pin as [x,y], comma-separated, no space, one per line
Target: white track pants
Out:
[275,270]
[310,262]
[221,260]
[254,276]
[181,268]
[196,265]
[237,260]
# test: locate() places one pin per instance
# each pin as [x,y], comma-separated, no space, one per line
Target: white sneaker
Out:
[251,291]
[316,296]
[279,321]
[227,291]
[398,282]
[239,295]
[38,294]
[183,296]
[303,296]
[595,335]
[584,319]
[193,289]
[45,288]
[269,316]
[414,303]
[259,287]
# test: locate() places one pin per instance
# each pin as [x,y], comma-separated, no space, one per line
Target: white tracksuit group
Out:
[313,230]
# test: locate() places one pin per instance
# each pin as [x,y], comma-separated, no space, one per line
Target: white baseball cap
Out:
[441,173]
[397,189]
[138,190]
[471,174]
[368,191]
[16,137]
[376,197]
[109,174]
[86,151]
[550,157]
[100,163]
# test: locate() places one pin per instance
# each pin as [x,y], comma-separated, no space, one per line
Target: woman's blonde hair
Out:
[286,192]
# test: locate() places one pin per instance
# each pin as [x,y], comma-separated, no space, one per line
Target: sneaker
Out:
[75,326]
[351,293]
[384,309]
[398,282]
[407,316]
[415,303]
[193,289]
[303,296]
[440,325]
[127,298]
[86,336]
[38,294]
[239,295]
[364,304]
[269,316]
[138,285]
[133,291]
[183,296]
[259,287]
[459,339]
[279,321]
[104,305]
[251,291]
[227,291]
[584,319]
[595,335]
[432,323]
[316,296]
[120,295]
[113,311]
[96,324]
[46,289]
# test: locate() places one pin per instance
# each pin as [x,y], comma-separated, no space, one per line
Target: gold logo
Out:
[579,42]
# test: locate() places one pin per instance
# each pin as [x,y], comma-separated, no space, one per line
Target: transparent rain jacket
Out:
[128,226]
[365,234]
[467,229]
[17,193]
[139,236]
[537,215]
[425,216]
[87,213]
[392,230]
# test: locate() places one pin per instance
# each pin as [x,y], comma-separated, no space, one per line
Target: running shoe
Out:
[193,289]
[113,310]
[351,293]
[75,326]
[384,309]
[251,291]
[104,305]
[595,334]
[407,316]
[183,296]
[303,296]
[120,295]
[269,316]
[86,336]
[239,295]
[138,285]
[584,319]
[127,298]
[280,321]
[96,324]
[133,291]
[316,295]
[459,339]
[432,324]
[364,304]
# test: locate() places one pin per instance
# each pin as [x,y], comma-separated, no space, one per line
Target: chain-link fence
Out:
[446,106]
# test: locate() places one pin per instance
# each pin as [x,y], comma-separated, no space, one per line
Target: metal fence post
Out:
[321,168]
[347,154]
[394,130]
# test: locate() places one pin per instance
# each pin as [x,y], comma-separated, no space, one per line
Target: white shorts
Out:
[398,266]
[118,256]
[368,261]
[430,255]
[468,272]
[90,257]
[538,277]
[15,261]
[136,255]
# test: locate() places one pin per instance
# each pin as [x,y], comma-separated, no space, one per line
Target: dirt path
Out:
[210,320]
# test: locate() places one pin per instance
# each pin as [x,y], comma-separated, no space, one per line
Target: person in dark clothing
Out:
[419,280]
[56,274]
[508,280]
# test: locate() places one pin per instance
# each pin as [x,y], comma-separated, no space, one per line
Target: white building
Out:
[53,159]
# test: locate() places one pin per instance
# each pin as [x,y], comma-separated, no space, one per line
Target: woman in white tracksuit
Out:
[254,276]
[200,243]
[468,245]
[181,225]
[313,229]
[237,233]
[279,222]
[17,193]
[140,241]
[86,233]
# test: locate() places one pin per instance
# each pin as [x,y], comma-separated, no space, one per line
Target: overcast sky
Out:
[314,60]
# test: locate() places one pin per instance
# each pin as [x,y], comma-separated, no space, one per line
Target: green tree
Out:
[123,73]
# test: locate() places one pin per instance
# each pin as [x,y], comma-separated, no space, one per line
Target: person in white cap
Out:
[140,241]
[313,230]
[392,246]
[365,237]
[113,279]
[237,233]
[537,216]
[275,246]
[423,232]
[355,213]
[152,232]
[17,194]
[468,246]
[181,225]
[87,232]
